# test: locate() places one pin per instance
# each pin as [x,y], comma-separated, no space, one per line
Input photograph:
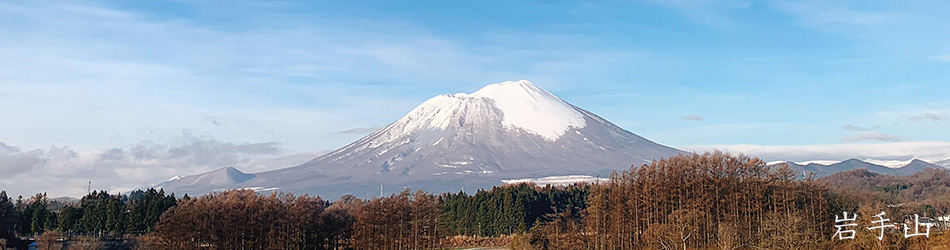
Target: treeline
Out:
[97,213]
[403,221]
[719,201]
[244,219]
[704,201]
[408,220]
[926,193]
[508,209]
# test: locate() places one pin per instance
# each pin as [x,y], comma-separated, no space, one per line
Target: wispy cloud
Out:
[694,118]
[146,71]
[901,31]
[361,130]
[944,58]
[714,13]
[821,14]
[929,151]
[859,128]
[929,117]
[871,136]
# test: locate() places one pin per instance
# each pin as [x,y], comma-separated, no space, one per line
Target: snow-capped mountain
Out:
[508,130]
[166,182]
[943,163]
[825,168]
[889,163]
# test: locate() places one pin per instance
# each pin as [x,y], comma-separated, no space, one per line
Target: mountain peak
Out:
[205,182]
[508,89]
[517,104]
[521,82]
[528,107]
[236,175]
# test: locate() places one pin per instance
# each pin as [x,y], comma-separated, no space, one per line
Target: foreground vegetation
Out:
[709,201]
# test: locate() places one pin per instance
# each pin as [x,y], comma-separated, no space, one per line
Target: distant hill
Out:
[826,169]
[929,187]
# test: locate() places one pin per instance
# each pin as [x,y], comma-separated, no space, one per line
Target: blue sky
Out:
[130,93]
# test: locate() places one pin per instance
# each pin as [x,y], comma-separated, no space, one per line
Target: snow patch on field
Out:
[557,180]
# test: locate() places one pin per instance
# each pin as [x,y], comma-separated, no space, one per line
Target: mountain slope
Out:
[206,182]
[502,131]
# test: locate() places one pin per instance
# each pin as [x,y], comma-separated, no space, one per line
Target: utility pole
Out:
[89,188]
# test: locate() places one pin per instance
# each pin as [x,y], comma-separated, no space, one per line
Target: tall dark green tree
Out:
[33,215]
[68,218]
[145,209]
[8,216]
[508,209]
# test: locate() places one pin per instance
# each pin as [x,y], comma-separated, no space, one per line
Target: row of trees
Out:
[96,213]
[718,201]
[926,193]
[420,220]
[706,201]
[508,209]
[244,219]
[102,213]
[403,221]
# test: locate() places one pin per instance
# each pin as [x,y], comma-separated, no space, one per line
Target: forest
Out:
[701,201]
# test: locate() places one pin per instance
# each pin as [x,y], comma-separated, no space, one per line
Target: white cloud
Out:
[929,151]
[61,171]
[14,162]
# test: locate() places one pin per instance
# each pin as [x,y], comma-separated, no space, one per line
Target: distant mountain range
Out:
[825,168]
[505,131]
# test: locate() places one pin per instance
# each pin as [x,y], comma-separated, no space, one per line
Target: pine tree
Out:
[8,216]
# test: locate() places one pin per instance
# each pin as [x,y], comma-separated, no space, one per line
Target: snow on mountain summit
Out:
[528,107]
[522,104]
[889,163]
